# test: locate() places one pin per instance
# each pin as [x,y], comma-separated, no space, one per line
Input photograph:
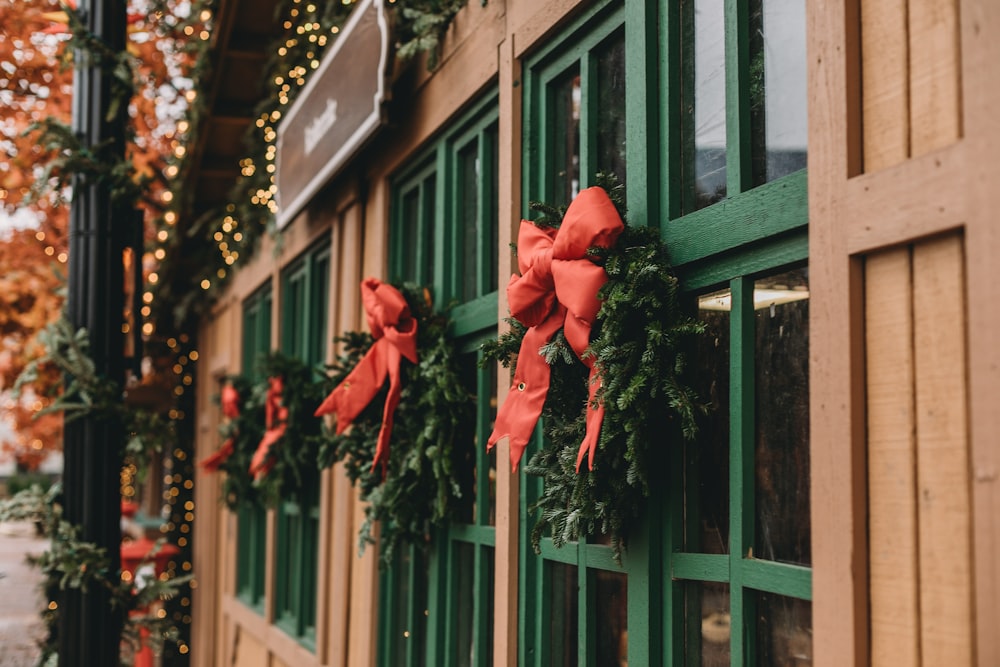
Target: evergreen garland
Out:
[639,343]
[245,431]
[296,452]
[431,457]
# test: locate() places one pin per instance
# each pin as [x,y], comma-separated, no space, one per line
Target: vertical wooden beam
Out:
[885,83]
[505,592]
[892,520]
[942,452]
[980,52]
[935,80]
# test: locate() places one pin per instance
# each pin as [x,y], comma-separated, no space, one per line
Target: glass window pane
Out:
[782,418]
[565,127]
[467,221]
[707,460]
[703,103]
[707,616]
[426,227]
[611,613]
[491,413]
[562,624]
[784,631]
[465,586]
[611,107]
[777,87]
[410,229]
[402,589]
[493,210]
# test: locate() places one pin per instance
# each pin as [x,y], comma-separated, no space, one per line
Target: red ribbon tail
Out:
[262,461]
[214,461]
[519,414]
[393,359]
[595,418]
[361,385]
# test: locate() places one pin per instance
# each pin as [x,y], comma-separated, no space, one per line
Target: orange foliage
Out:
[35,84]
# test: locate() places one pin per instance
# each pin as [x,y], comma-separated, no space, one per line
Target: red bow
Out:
[395,334]
[557,289]
[275,423]
[230,410]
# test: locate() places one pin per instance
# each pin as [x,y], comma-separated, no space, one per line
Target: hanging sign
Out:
[336,113]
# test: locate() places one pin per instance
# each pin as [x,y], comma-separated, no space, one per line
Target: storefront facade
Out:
[822,176]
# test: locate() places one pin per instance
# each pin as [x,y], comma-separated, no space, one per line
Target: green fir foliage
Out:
[245,430]
[639,344]
[431,457]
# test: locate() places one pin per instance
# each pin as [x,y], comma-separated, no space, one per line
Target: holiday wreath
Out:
[599,353]
[408,445]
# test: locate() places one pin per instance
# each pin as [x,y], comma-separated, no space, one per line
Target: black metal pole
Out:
[90,628]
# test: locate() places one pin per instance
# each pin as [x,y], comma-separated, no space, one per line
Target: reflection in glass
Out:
[468,215]
[465,587]
[782,418]
[777,88]
[706,611]
[565,153]
[784,631]
[611,618]
[562,621]
[611,108]
[703,103]
[707,461]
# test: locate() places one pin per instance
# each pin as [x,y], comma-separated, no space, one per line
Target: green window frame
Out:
[436,605]
[305,285]
[723,248]
[251,535]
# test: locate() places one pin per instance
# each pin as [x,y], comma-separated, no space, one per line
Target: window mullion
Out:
[741,467]
[585,624]
[641,111]
[588,118]
[739,176]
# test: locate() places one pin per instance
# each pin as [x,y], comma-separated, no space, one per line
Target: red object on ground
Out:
[133,554]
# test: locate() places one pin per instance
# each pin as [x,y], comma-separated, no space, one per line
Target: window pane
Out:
[612,617]
[611,108]
[410,228]
[703,103]
[562,626]
[467,221]
[493,211]
[708,624]
[426,227]
[777,87]
[707,460]
[784,631]
[465,584]
[491,412]
[565,125]
[782,418]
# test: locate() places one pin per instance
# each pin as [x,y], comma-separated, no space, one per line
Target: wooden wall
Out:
[901,239]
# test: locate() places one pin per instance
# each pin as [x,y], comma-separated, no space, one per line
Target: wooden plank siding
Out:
[892,466]
[942,452]
[917,461]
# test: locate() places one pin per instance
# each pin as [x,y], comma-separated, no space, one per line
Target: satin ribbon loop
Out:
[275,424]
[394,331]
[557,289]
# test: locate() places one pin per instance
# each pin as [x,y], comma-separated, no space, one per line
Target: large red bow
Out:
[395,334]
[275,423]
[557,289]
[230,410]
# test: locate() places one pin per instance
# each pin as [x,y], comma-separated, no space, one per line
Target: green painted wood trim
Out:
[741,469]
[775,252]
[700,567]
[567,554]
[472,534]
[773,208]
[738,172]
[641,113]
[475,315]
[600,557]
[781,578]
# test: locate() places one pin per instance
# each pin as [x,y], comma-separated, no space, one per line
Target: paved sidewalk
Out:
[20,596]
